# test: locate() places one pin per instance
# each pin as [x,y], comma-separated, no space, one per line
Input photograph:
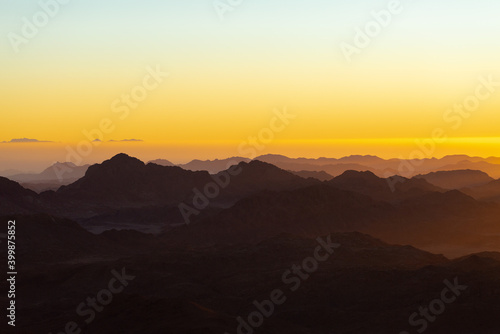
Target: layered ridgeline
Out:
[252,201]
[254,229]
[321,168]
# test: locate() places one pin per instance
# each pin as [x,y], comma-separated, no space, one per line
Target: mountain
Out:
[309,211]
[384,167]
[322,176]
[491,169]
[52,177]
[256,176]
[126,181]
[277,159]
[330,166]
[449,222]
[485,192]
[16,199]
[396,188]
[9,172]
[60,172]
[336,169]
[162,162]
[457,179]
[125,193]
[355,254]
[213,166]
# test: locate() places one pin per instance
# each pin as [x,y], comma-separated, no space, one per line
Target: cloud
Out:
[26,140]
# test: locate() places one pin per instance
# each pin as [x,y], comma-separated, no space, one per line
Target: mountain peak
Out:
[124,159]
[161,162]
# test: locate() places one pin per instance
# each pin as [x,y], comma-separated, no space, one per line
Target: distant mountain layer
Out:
[51,178]
[61,173]
[457,179]
[382,167]
[485,192]
[213,166]
[161,162]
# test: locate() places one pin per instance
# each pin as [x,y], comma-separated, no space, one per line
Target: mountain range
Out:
[262,200]
[398,243]
[322,169]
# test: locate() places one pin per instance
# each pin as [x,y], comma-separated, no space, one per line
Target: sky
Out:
[223,72]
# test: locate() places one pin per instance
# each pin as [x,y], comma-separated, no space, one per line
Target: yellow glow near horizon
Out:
[226,78]
[37,156]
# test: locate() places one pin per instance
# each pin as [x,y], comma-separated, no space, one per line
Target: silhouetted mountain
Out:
[277,159]
[9,172]
[383,168]
[126,181]
[213,166]
[395,188]
[161,162]
[124,193]
[333,167]
[256,176]
[445,221]
[258,235]
[456,179]
[486,192]
[492,170]
[322,176]
[16,199]
[62,173]
[310,211]
[51,178]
